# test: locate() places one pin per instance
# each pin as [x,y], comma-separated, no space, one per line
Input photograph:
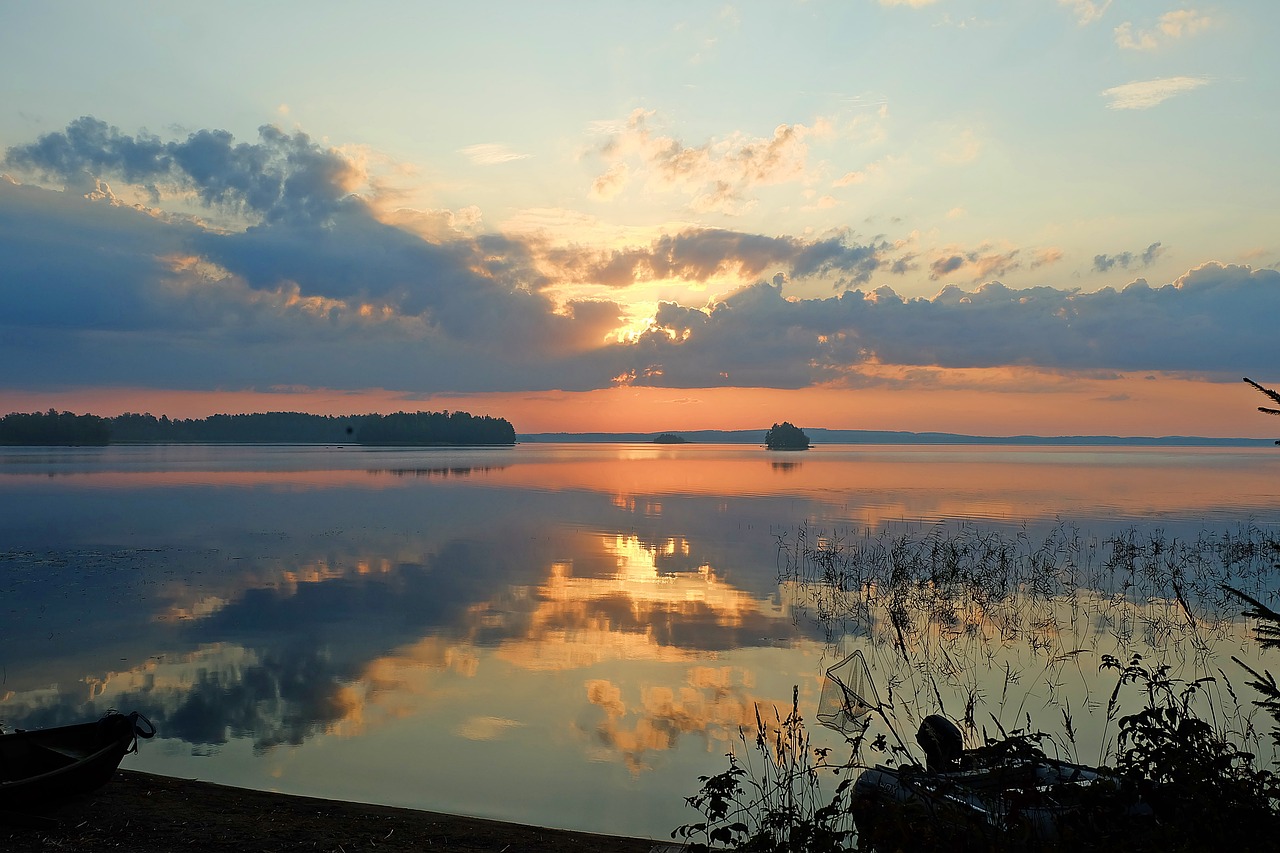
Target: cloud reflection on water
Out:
[584,608]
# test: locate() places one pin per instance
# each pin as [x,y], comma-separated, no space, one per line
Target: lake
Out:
[568,634]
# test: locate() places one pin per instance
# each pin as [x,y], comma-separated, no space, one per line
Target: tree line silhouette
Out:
[402,428]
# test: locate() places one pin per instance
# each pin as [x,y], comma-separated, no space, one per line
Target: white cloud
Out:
[1145,94]
[718,176]
[611,183]
[871,171]
[490,154]
[1129,40]
[1086,11]
[962,147]
[1178,24]
[915,4]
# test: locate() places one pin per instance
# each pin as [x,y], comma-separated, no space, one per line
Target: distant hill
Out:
[857,436]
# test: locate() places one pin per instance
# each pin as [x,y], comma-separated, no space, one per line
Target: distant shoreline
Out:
[895,437]
[677,438]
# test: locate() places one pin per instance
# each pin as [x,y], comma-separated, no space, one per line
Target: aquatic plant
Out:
[1267,632]
[1178,783]
[1203,789]
[1182,772]
[777,806]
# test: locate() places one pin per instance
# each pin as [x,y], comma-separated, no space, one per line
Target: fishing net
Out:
[848,696]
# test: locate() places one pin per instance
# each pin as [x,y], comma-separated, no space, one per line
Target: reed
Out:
[993,629]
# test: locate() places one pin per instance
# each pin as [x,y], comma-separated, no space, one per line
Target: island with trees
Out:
[55,428]
[785,436]
[416,429]
[669,438]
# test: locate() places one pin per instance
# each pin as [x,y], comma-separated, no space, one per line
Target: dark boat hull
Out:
[43,767]
[1019,800]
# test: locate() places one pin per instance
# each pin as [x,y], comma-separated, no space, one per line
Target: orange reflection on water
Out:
[893,482]
[649,594]
[402,683]
[910,481]
[711,707]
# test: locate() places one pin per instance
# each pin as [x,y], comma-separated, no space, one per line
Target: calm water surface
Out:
[565,635]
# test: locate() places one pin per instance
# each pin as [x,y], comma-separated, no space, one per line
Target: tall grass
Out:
[1015,637]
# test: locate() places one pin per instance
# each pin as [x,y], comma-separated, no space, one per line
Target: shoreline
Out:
[147,813]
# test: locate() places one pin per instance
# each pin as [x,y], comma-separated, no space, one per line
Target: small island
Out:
[670,438]
[786,436]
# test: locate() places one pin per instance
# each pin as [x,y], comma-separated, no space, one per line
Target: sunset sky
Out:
[981,216]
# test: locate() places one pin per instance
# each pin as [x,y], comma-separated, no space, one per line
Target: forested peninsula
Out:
[410,429]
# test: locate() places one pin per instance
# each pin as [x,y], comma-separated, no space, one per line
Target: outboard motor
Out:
[942,743]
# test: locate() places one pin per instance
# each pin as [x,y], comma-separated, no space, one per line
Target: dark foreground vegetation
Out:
[402,428]
[1180,770]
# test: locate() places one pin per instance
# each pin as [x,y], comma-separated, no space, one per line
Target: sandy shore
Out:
[143,813]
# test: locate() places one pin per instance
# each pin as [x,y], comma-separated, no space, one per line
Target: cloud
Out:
[281,178]
[611,183]
[976,264]
[314,289]
[1087,11]
[701,254]
[915,4]
[1175,25]
[1183,22]
[963,147]
[1125,260]
[1146,94]
[490,154]
[1044,257]
[314,267]
[871,171]
[1211,319]
[719,176]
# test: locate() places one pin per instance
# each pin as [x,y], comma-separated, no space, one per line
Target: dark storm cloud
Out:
[698,254]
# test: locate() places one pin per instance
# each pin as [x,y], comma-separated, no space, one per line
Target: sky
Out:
[995,217]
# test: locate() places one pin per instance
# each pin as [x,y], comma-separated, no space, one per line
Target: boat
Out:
[1002,796]
[44,767]
[974,796]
